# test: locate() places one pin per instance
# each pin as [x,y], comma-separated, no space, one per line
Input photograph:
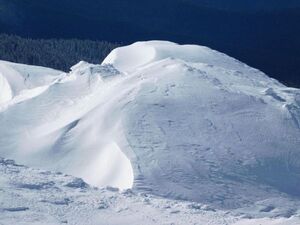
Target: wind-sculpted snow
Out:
[20,82]
[183,122]
[54,130]
[30,196]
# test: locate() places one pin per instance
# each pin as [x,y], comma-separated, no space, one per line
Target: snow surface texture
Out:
[39,197]
[181,122]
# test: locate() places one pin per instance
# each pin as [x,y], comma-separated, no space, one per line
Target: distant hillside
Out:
[54,53]
[263,33]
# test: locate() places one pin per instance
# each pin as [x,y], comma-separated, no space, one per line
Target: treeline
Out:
[54,53]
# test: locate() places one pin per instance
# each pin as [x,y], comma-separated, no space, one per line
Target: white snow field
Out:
[39,197]
[183,124]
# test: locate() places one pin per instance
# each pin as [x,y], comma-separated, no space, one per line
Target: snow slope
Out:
[39,197]
[203,121]
[48,136]
[182,122]
[20,82]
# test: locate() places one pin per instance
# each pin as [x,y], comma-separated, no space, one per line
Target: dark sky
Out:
[263,33]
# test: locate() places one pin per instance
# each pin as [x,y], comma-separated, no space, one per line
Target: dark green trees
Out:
[54,53]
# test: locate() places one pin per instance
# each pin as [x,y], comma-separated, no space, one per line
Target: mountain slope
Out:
[183,122]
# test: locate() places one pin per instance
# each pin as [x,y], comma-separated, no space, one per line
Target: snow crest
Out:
[180,121]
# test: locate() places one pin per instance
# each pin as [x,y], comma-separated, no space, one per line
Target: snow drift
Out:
[185,122]
[33,196]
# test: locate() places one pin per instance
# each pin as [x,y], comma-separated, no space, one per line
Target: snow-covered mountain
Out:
[180,122]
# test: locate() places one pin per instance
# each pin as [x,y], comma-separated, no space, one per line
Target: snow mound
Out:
[183,122]
[55,133]
[21,77]
[140,54]
[19,82]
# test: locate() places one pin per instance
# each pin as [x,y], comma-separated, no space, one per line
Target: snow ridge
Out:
[182,122]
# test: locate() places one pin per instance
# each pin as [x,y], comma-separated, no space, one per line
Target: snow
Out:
[20,82]
[5,90]
[21,77]
[45,136]
[140,54]
[30,196]
[182,122]
[203,121]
